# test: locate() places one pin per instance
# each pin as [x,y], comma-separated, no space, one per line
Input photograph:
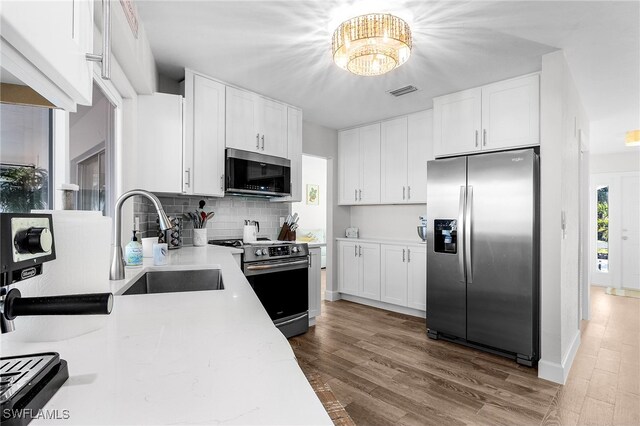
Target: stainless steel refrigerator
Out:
[482,257]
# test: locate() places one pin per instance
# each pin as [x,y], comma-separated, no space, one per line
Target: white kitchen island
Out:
[206,357]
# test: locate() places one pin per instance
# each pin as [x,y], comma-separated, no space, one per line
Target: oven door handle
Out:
[281,265]
[298,318]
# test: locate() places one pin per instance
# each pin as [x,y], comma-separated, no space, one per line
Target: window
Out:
[25,158]
[602,217]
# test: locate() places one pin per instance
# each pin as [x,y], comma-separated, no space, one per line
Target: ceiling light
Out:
[371,44]
[632,138]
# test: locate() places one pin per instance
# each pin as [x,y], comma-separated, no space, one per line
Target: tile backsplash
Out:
[230,213]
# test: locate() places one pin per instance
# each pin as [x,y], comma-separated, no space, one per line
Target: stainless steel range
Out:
[278,272]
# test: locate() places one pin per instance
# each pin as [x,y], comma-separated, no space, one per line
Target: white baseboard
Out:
[384,305]
[312,321]
[556,372]
[331,296]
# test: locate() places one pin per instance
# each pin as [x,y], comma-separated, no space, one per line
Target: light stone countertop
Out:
[206,357]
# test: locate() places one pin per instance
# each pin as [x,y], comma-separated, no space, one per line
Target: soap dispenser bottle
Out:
[133,252]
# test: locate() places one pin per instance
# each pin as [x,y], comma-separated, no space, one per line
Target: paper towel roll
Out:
[82,242]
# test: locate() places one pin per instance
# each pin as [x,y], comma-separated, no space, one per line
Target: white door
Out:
[370,263]
[54,36]
[419,151]
[369,164]
[511,113]
[208,137]
[314,282]
[273,128]
[394,274]
[349,268]
[417,277]
[242,121]
[630,191]
[457,122]
[349,166]
[393,161]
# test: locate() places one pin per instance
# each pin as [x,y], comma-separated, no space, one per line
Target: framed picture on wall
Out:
[313,194]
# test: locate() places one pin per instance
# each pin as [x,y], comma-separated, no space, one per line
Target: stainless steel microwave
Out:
[250,173]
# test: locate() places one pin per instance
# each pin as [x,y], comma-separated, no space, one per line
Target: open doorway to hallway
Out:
[312,210]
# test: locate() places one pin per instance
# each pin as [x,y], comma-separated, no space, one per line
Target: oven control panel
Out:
[279,251]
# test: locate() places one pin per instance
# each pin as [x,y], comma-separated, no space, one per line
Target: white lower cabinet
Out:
[403,272]
[393,274]
[417,277]
[359,269]
[315,281]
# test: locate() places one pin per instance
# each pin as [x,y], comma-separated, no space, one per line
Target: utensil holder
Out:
[286,234]
[200,237]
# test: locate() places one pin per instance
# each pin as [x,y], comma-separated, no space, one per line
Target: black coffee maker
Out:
[27,382]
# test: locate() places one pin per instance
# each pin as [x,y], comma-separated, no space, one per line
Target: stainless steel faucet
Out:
[117,263]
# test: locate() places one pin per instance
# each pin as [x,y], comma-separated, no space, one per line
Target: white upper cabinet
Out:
[511,113]
[406,146]
[419,152]
[242,120]
[393,161]
[359,165]
[160,139]
[204,136]
[457,122]
[255,123]
[349,166]
[497,116]
[273,129]
[369,191]
[54,38]
[294,149]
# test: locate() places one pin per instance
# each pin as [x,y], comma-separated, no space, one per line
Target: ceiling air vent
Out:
[403,90]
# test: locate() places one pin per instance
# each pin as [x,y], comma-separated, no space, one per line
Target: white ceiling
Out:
[282,49]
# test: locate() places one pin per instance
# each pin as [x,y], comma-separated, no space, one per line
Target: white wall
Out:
[618,162]
[312,217]
[562,119]
[323,142]
[90,128]
[388,221]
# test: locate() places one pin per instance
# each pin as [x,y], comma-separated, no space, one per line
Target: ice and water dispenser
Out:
[445,236]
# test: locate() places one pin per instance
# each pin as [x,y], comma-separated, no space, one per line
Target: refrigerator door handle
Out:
[467,235]
[460,230]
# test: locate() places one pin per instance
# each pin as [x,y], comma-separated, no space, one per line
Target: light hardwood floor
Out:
[384,370]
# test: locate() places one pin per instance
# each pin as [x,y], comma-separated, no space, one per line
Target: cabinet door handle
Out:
[359,251]
[484,137]
[222,182]
[408,192]
[360,195]
[403,258]
[187,181]
[355,250]
[310,257]
[257,140]
[355,197]
[403,192]
[408,255]
[263,142]
[105,58]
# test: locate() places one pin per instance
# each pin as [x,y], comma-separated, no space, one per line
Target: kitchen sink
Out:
[176,281]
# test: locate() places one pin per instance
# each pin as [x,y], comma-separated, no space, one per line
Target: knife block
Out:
[286,234]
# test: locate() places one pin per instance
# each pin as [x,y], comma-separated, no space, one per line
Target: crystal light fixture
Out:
[632,138]
[371,44]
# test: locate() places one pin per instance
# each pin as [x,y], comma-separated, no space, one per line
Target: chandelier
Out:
[371,44]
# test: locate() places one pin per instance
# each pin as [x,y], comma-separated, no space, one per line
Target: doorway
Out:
[312,210]
[615,230]
[91,153]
